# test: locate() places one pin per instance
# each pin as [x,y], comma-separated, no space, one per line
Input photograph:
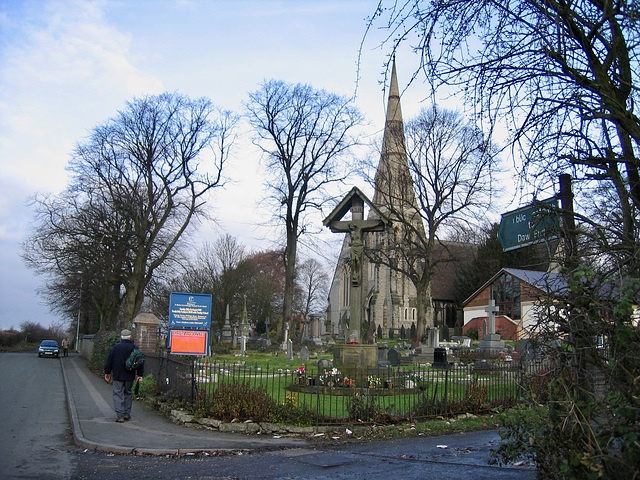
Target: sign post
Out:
[189,323]
[526,226]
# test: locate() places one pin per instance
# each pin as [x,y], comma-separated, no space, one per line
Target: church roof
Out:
[546,282]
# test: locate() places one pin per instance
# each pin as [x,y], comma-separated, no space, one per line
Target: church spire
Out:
[393,141]
[393,185]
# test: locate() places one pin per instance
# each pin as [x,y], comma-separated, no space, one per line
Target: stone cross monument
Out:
[356,227]
[491,310]
[492,342]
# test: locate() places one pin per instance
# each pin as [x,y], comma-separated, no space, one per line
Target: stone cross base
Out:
[355,356]
[492,343]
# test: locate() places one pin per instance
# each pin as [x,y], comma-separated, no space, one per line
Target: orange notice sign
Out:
[189,342]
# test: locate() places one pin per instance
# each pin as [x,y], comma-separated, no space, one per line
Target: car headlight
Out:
[40,350]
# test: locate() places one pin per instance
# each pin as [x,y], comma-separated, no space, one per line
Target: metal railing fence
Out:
[319,395]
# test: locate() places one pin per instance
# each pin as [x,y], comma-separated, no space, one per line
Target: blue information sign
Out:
[190,310]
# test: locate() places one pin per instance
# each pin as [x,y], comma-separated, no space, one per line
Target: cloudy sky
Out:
[69,65]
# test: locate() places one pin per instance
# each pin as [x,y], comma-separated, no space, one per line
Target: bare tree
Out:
[84,264]
[140,181]
[563,77]
[304,133]
[212,270]
[451,164]
[313,284]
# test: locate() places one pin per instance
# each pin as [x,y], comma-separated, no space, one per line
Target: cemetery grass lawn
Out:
[264,360]
[336,406]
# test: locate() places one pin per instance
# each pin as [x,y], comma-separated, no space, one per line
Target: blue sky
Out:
[69,65]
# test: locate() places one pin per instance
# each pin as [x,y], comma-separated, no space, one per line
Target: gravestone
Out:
[289,349]
[383,351]
[324,363]
[243,345]
[235,336]
[394,357]
[433,337]
[227,331]
[304,354]
[244,321]
[440,358]
[286,336]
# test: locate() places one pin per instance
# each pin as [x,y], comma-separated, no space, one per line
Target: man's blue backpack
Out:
[135,360]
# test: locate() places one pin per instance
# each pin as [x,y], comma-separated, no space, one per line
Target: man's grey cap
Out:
[125,333]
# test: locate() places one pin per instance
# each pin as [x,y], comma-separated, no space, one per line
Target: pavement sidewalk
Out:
[92,417]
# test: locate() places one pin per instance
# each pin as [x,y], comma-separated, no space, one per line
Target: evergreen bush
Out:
[102,343]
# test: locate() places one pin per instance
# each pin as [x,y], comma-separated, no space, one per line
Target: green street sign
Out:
[525,226]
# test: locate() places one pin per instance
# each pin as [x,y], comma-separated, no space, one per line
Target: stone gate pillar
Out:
[147,332]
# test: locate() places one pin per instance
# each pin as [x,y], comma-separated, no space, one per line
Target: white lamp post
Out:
[79,310]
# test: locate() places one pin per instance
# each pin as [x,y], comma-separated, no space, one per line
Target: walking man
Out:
[65,347]
[115,371]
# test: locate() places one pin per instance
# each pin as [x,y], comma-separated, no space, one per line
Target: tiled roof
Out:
[554,283]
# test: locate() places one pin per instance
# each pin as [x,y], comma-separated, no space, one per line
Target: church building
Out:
[388,296]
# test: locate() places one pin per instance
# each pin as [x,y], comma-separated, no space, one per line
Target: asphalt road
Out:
[35,435]
[36,442]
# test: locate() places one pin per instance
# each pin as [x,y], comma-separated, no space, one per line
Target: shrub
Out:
[148,386]
[289,413]
[102,343]
[220,349]
[472,333]
[361,408]
[236,401]
[475,396]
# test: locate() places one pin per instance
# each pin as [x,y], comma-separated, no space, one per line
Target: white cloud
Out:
[65,70]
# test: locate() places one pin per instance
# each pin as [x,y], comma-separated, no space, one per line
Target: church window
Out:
[413,314]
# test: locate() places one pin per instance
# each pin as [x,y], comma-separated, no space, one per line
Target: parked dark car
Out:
[49,347]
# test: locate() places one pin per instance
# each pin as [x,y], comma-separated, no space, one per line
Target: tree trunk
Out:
[425,310]
[289,277]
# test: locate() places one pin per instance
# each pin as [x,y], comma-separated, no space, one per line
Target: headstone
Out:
[316,328]
[484,328]
[289,349]
[304,354]
[227,331]
[383,351]
[243,345]
[433,338]
[324,363]
[286,336]
[235,336]
[440,358]
[244,321]
[394,357]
